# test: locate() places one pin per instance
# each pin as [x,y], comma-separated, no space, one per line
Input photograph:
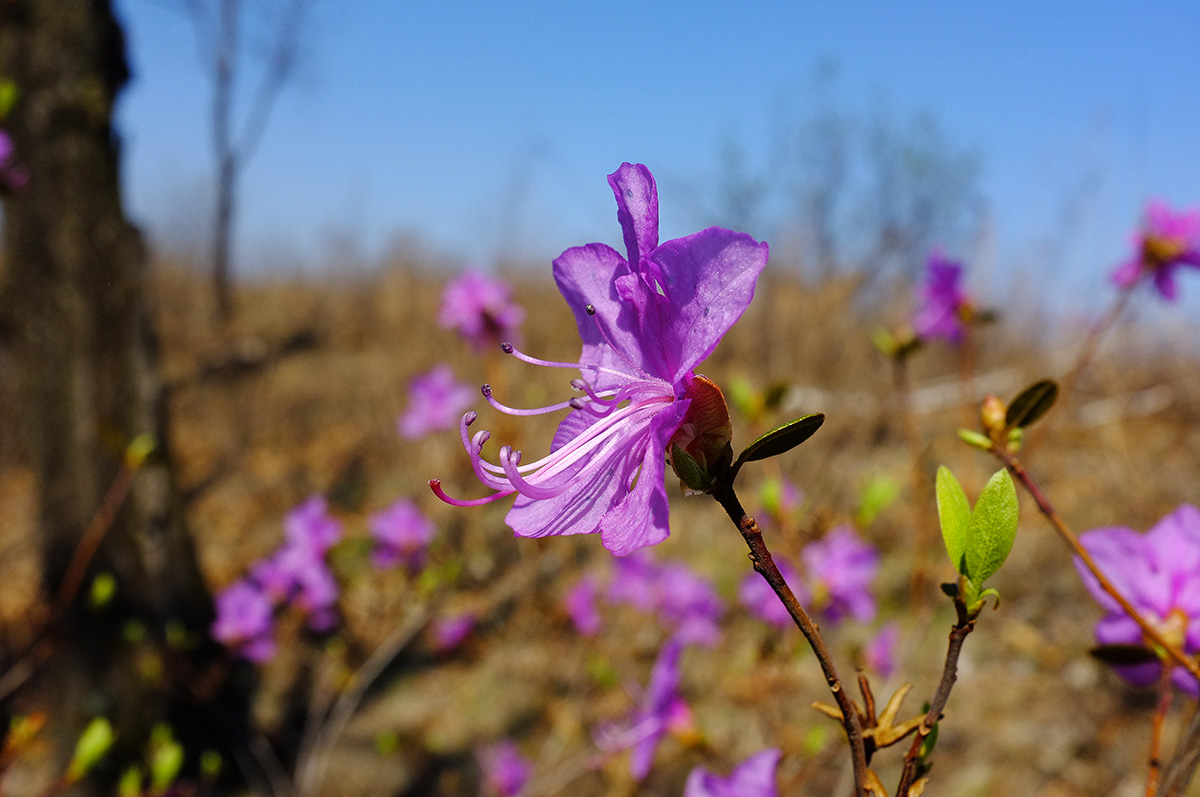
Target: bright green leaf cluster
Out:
[978,540]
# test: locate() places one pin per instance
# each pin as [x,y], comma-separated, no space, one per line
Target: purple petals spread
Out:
[645,323]
[943,304]
[1167,240]
[481,309]
[505,771]
[402,533]
[1159,573]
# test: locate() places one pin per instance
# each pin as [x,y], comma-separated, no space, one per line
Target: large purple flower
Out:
[943,304]
[481,309]
[1159,573]
[754,777]
[646,321]
[1166,241]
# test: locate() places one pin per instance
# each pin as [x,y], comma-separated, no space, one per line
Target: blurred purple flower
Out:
[435,400]
[481,309]
[1159,573]
[402,534]
[311,526]
[244,621]
[760,600]
[450,630]
[580,603]
[1166,241]
[297,573]
[943,304]
[684,601]
[880,653]
[645,321]
[754,777]
[841,568]
[662,710]
[505,770]
[12,176]
[635,581]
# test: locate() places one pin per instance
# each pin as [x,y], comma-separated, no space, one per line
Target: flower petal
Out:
[637,209]
[709,281]
[640,517]
[1121,554]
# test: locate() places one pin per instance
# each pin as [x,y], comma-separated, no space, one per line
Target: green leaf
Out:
[780,440]
[689,471]
[954,515]
[93,744]
[879,493]
[8,96]
[1123,655]
[1032,403]
[993,527]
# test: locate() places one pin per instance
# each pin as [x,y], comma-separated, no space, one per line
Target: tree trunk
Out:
[73,296]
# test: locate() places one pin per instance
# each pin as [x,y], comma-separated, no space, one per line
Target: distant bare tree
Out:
[225,41]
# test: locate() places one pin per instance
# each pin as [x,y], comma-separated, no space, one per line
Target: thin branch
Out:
[1179,771]
[958,635]
[1047,509]
[765,565]
[1156,729]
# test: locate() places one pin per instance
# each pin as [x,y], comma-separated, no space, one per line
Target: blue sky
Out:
[483,127]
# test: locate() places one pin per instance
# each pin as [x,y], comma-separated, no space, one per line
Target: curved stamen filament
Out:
[436,486]
[562,405]
[523,357]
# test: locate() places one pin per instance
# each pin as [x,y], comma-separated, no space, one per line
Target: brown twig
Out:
[765,565]
[958,634]
[1156,729]
[1179,771]
[1047,509]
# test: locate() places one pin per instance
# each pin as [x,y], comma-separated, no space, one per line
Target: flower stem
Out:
[1178,773]
[1160,715]
[958,634]
[765,565]
[1047,509]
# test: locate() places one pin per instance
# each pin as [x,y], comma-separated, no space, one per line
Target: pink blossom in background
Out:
[505,771]
[450,630]
[580,603]
[1167,240]
[435,402]
[662,710]
[760,600]
[683,600]
[244,621]
[880,653]
[12,176]
[943,304]
[402,534]
[1159,573]
[841,568]
[311,526]
[646,321]
[481,309]
[754,777]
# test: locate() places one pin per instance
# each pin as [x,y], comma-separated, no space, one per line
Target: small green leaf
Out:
[983,596]
[993,527]
[130,784]
[975,439]
[879,493]
[8,96]
[690,472]
[1032,403]
[780,440]
[954,515]
[1123,655]
[165,763]
[93,744]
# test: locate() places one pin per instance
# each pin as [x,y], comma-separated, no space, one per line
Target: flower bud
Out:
[699,451]
[992,418]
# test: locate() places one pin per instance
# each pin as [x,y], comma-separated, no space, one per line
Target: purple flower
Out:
[880,653]
[12,177]
[682,600]
[761,601]
[646,321]
[754,777]
[402,533]
[1166,241]
[244,621]
[943,304]
[580,603]
[311,526]
[450,631]
[635,582]
[481,309]
[297,573]
[1159,573]
[505,770]
[841,568]
[435,400]
[662,710]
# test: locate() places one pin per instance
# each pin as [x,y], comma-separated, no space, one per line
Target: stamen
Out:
[436,486]
[562,405]
[523,357]
[506,347]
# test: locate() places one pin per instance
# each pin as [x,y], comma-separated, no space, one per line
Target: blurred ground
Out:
[301,395]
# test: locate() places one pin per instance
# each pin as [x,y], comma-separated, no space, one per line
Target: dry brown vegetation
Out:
[301,395]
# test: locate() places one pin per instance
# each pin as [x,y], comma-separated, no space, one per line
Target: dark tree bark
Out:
[73,297]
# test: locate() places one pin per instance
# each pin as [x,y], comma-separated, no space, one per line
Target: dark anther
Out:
[576,403]
[486,390]
[470,417]
[507,348]
[590,308]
